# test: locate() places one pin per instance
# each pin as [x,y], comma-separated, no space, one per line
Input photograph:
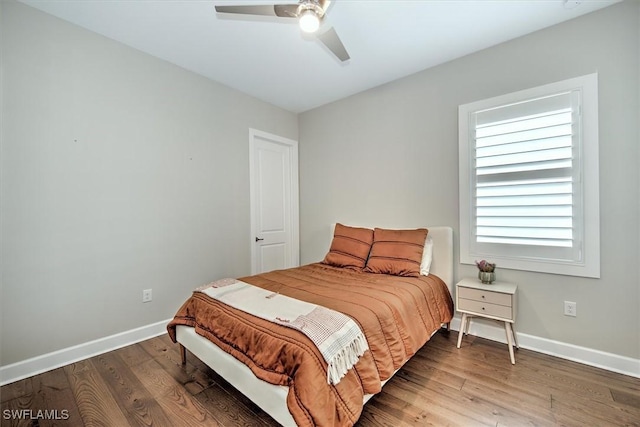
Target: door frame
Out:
[294,202]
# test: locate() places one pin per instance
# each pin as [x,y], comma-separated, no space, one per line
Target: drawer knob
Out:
[482,296]
[483,308]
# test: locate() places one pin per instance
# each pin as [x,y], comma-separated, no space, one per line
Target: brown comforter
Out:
[397,314]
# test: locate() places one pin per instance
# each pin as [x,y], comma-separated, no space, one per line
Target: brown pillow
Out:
[350,247]
[397,252]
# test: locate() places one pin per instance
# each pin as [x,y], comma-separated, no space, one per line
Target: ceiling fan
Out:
[309,14]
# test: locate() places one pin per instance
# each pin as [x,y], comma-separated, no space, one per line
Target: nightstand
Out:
[496,301]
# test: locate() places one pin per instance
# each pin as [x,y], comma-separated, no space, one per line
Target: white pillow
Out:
[427,256]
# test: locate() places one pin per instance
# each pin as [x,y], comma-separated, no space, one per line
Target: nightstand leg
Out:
[515,336]
[463,324]
[507,328]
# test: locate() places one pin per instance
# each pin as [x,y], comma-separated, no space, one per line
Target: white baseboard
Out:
[46,362]
[588,356]
[56,359]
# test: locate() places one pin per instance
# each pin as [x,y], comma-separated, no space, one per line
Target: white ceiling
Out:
[269,58]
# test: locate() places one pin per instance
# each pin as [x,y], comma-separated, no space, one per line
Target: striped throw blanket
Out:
[336,335]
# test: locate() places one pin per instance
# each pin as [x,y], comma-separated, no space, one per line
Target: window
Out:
[529,189]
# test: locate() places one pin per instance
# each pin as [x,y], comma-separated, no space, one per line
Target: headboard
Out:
[442,263]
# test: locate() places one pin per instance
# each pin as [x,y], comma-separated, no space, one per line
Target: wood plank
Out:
[425,406]
[580,410]
[441,385]
[227,410]
[177,403]
[46,401]
[375,415]
[389,410]
[17,417]
[626,398]
[195,376]
[130,394]
[96,404]
[52,391]
[16,389]
[417,365]
[489,370]
[485,374]
[245,401]
[517,408]
[574,395]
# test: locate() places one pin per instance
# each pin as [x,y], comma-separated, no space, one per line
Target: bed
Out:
[284,381]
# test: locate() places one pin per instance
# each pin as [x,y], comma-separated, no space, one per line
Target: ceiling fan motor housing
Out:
[311,5]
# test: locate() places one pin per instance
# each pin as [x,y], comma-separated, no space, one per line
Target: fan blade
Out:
[286,10]
[332,41]
[281,10]
[324,4]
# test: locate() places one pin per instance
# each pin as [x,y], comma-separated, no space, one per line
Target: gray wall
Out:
[120,172]
[390,156]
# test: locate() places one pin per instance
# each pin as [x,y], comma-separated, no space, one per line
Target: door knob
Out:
[258,239]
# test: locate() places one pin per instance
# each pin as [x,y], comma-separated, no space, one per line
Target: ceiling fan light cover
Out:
[309,21]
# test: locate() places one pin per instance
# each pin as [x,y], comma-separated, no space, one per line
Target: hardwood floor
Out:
[145,385]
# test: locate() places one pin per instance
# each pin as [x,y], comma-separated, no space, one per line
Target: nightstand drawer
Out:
[484,296]
[485,309]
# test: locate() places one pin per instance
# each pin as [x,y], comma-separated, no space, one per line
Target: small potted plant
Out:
[486,271]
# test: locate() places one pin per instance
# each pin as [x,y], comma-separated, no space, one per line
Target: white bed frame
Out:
[273,398]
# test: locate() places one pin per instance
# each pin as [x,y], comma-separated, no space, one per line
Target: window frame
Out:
[589,264]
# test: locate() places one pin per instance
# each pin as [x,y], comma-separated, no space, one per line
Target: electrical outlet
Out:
[570,308]
[146,295]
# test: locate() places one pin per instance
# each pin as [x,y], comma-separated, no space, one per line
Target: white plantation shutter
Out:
[524,192]
[524,173]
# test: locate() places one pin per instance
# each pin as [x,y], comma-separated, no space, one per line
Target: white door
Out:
[274,202]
